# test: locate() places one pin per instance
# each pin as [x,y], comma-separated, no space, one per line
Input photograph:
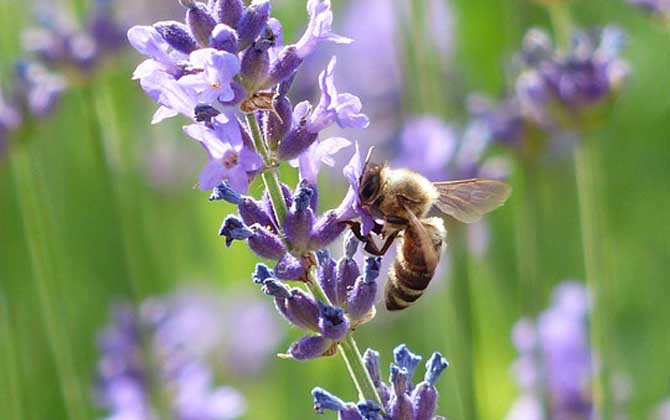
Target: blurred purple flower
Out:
[555,362]
[172,340]
[662,411]
[658,8]
[585,76]
[427,145]
[39,89]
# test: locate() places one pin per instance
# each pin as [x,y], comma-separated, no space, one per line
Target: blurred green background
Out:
[100,228]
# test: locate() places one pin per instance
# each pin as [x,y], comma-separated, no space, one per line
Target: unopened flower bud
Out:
[424,401]
[326,275]
[252,212]
[199,21]
[324,400]
[273,287]
[303,310]
[177,35]
[289,268]
[262,273]
[223,38]
[404,358]
[223,191]
[253,22]
[361,298]
[265,243]
[434,368]
[296,141]
[234,229]
[299,220]
[425,394]
[228,12]
[370,410]
[332,322]
[371,361]
[279,122]
[347,273]
[284,67]
[254,66]
[326,229]
[309,347]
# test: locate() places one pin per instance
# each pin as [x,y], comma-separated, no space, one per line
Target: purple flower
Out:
[350,208]
[213,83]
[170,340]
[39,88]
[401,400]
[170,95]
[658,8]
[149,42]
[343,108]
[229,159]
[662,411]
[426,145]
[555,358]
[581,78]
[10,118]
[309,163]
[319,28]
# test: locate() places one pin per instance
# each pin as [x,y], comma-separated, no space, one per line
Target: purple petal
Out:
[211,175]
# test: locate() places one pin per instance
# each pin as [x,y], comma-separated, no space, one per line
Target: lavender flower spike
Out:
[400,403]
[362,297]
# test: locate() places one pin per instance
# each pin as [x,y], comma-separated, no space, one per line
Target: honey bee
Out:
[401,199]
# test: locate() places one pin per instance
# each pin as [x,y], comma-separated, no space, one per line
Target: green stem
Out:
[8,346]
[559,13]
[347,347]
[462,295]
[38,236]
[271,180]
[591,218]
[349,351]
[526,235]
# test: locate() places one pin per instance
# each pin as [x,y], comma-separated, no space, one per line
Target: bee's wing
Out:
[431,257]
[469,199]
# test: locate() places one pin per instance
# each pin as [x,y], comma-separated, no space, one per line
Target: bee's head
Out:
[370,182]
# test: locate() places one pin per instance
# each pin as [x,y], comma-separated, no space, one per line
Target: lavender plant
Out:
[156,362]
[228,70]
[57,55]
[660,9]
[557,366]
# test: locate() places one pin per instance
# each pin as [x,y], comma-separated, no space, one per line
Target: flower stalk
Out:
[347,346]
[591,218]
[36,222]
[271,180]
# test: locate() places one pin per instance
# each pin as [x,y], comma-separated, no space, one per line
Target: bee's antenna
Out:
[368,157]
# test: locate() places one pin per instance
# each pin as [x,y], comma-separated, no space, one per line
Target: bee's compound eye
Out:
[369,188]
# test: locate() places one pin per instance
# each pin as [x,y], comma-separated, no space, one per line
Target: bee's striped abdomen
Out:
[410,274]
[405,285]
